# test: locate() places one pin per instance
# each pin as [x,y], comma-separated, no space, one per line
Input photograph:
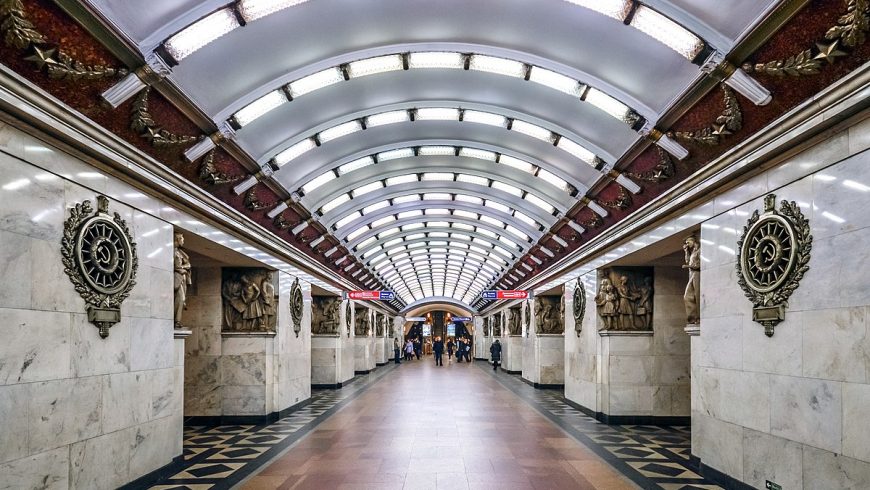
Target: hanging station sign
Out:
[372,295]
[504,294]
[461,318]
[415,318]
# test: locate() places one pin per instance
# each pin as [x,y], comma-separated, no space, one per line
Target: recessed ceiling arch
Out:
[416,307]
[413,243]
[438,233]
[330,217]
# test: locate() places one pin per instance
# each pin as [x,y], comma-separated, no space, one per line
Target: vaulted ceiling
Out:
[442,148]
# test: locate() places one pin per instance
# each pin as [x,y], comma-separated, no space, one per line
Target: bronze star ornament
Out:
[42,56]
[829,52]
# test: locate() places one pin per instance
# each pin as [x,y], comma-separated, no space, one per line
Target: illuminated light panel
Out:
[556,181]
[516,232]
[497,205]
[343,129]
[436,59]
[577,150]
[252,10]
[355,165]
[395,154]
[608,104]
[356,233]
[555,81]
[374,207]
[365,189]
[411,214]
[533,130]
[437,176]
[315,81]
[508,242]
[259,107]
[479,154]
[338,201]
[468,199]
[437,151]
[373,66]
[492,221]
[401,179]
[467,214]
[386,233]
[667,32]
[462,226]
[201,33]
[318,181]
[437,114]
[347,219]
[385,118]
[368,241]
[437,212]
[383,221]
[487,118]
[507,188]
[437,196]
[472,179]
[537,201]
[516,163]
[616,9]
[499,66]
[524,218]
[404,199]
[294,151]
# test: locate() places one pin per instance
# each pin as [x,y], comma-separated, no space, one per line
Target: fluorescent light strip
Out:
[200,33]
[252,10]
[259,108]
[315,81]
[436,59]
[667,32]
[373,66]
[294,151]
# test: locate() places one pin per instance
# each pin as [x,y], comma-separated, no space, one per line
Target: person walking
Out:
[495,352]
[467,352]
[438,349]
[418,348]
[460,346]
[409,349]
[450,346]
[397,349]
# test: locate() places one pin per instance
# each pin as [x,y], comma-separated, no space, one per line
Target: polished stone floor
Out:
[421,426]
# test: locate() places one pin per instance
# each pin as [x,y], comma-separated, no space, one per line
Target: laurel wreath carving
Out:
[80,213]
[297,306]
[850,31]
[579,306]
[253,202]
[209,173]
[143,123]
[622,202]
[663,171]
[20,33]
[593,222]
[728,122]
[803,244]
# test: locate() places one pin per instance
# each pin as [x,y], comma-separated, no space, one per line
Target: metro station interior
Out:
[644,222]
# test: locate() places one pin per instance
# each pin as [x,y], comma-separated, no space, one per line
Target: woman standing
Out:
[396,350]
[409,350]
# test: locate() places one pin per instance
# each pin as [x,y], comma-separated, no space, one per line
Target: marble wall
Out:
[543,361]
[792,408]
[76,410]
[582,352]
[333,356]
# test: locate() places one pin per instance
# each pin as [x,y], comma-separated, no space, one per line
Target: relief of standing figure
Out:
[644,309]
[625,307]
[606,302]
[692,296]
[182,276]
[253,309]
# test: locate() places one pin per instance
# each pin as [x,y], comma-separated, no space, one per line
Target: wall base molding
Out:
[717,476]
[630,419]
[514,372]
[543,386]
[364,371]
[149,479]
[213,420]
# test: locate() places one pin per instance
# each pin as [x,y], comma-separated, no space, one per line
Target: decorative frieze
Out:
[249,300]
[325,315]
[625,299]
[547,318]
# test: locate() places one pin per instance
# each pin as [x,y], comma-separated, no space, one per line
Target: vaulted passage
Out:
[422,426]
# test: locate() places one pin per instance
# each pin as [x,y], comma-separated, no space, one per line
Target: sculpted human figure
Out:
[268,299]
[625,308]
[182,277]
[253,314]
[606,302]
[692,296]
[234,306]
[644,308]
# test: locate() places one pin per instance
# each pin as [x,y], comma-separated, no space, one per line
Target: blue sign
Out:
[461,318]
[451,330]
[387,295]
[489,294]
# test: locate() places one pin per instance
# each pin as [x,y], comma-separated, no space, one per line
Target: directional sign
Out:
[461,318]
[372,295]
[504,294]
[415,319]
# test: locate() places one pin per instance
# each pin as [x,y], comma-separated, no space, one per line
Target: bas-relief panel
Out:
[549,315]
[325,315]
[250,301]
[625,298]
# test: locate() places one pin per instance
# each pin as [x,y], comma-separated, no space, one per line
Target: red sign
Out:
[513,294]
[364,295]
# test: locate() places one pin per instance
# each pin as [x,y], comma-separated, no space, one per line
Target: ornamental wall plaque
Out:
[579,307]
[99,257]
[297,306]
[348,320]
[527,316]
[773,255]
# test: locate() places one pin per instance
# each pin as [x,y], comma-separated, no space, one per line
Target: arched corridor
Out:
[416,425]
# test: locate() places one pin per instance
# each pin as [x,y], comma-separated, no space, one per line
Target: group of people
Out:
[414,348]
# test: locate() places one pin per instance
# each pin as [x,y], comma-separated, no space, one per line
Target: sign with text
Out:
[372,295]
[504,294]
[451,330]
[415,318]
[427,330]
[461,318]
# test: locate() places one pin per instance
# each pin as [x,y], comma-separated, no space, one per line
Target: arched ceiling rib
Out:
[461,227]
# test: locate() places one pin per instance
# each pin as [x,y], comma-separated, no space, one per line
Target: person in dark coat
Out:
[495,352]
[418,348]
[460,347]
[438,349]
[450,346]
[397,349]
[467,352]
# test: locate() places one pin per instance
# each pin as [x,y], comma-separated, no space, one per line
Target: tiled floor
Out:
[418,426]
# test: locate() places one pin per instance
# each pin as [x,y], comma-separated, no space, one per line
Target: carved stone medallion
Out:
[579,307]
[773,255]
[99,257]
[527,315]
[297,306]
[348,309]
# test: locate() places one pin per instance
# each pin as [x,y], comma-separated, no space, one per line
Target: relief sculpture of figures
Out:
[514,321]
[606,303]
[625,307]
[182,277]
[361,328]
[547,320]
[692,296]
[249,300]
[644,310]
[325,315]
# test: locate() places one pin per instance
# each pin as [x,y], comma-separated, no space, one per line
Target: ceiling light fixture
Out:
[373,66]
[555,81]
[667,32]
[315,81]
[201,33]
[294,151]
[259,107]
[436,59]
